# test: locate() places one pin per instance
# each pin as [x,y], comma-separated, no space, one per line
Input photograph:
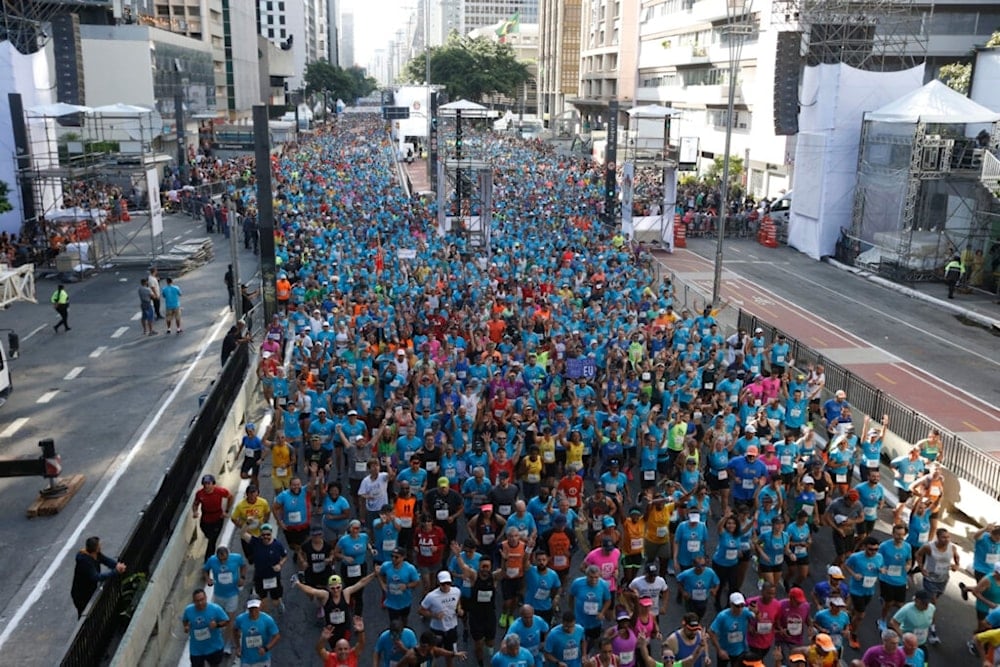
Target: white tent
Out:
[120,110]
[933,103]
[468,109]
[654,230]
[653,111]
[56,110]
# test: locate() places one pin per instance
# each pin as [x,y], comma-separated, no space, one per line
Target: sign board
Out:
[688,156]
[155,210]
[407,253]
[584,367]
[395,113]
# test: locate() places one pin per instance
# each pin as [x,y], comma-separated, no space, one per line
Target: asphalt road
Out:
[100,391]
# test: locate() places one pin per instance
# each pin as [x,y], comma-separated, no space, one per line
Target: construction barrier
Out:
[680,232]
[768,234]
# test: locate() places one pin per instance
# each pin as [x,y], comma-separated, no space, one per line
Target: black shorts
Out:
[273,593]
[769,568]
[716,484]
[296,538]
[511,588]
[402,614]
[448,638]
[250,466]
[866,527]
[632,560]
[892,593]
[860,602]
[213,659]
[842,544]
[483,626]
[698,607]
[592,634]
[903,495]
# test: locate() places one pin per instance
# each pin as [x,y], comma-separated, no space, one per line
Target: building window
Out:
[270,33]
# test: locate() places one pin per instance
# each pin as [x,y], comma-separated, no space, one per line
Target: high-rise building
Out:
[484,13]
[446,17]
[283,23]
[333,31]
[609,57]
[316,30]
[558,56]
[347,40]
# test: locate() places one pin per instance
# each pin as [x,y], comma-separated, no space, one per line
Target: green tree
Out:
[472,69]
[957,76]
[713,175]
[4,200]
[994,40]
[347,84]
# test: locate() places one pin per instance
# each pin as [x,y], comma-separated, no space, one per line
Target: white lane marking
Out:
[47,396]
[119,332]
[119,467]
[14,427]
[74,373]
[98,352]
[136,317]
[37,329]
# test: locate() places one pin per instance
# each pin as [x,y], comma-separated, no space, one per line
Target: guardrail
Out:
[962,458]
[108,614]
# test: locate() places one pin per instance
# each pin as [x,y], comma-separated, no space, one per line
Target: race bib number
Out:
[732,554]
[254,641]
[871,513]
[484,596]
[353,570]
[513,572]
[794,628]
[748,484]
[611,487]
[406,521]
[868,581]
[319,566]
[779,559]
[549,457]
[649,475]
[840,478]
[504,510]
[626,657]
[820,495]
[431,466]
[295,517]
[488,538]
[590,608]
[559,561]
[337,616]
[202,634]
[360,466]
[992,559]
[534,478]
[909,478]
[225,578]
[426,551]
[723,475]
[693,546]
[388,545]
[542,594]
[571,654]
[894,570]
[800,551]
[699,594]
[786,461]
[871,463]
[764,627]
[661,531]
[924,537]
[270,583]
[281,471]
[441,515]
[635,543]
[734,638]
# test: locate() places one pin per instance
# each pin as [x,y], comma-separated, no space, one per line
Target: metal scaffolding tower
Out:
[872,35]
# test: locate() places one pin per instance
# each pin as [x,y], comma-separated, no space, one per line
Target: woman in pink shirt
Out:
[793,622]
[766,608]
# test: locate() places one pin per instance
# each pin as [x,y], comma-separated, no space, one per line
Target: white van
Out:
[6,383]
[780,212]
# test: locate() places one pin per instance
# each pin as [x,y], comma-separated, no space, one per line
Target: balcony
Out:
[679,56]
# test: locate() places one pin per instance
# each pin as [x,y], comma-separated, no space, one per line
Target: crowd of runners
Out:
[539,459]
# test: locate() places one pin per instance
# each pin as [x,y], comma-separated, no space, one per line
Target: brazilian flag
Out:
[513,24]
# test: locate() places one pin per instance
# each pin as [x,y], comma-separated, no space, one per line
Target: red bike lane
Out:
[976,421]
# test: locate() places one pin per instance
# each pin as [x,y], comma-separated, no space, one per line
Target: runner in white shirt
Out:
[651,585]
[441,607]
[374,488]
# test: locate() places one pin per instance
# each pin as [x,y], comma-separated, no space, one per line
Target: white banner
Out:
[155,210]
[407,253]
[628,194]
[440,197]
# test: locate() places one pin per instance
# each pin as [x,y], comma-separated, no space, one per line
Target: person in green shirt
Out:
[60,301]
[668,659]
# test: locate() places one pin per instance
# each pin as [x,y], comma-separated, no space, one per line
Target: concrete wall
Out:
[149,639]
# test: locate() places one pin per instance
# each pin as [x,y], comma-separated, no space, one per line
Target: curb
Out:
[978,318]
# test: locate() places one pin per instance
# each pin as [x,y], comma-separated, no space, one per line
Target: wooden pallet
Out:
[51,506]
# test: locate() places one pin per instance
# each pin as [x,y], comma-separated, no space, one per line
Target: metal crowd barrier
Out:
[109,612]
[962,458]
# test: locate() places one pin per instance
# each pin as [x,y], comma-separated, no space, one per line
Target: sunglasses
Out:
[265,534]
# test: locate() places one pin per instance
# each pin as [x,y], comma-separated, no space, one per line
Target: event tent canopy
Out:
[933,103]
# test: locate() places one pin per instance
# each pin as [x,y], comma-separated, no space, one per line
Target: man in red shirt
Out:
[430,543]
[210,499]
[571,487]
[343,654]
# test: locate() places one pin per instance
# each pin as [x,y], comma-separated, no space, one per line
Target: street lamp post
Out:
[737,27]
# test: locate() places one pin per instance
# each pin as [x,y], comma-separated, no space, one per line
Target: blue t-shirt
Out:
[539,588]
[202,639]
[334,508]
[588,601]
[870,497]
[226,575]
[698,586]
[987,553]
[745,475]
[385,647]
[171,295]
[522,659]
[531,638]
[868,568]
[832,624]
[692,541]
[566,647]
[896,559]
[255,635]
[398,594]
[730,629]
